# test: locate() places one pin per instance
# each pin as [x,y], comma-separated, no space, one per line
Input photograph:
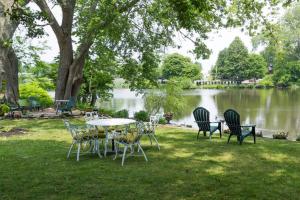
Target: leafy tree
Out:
[97,81]
[256,66]
[283,47]
[231,63]
[169,98]
[132,29]
[176,65]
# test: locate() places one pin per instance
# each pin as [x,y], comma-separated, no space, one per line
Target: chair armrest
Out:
[215,122]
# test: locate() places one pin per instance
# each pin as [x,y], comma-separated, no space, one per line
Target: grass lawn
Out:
[34,166]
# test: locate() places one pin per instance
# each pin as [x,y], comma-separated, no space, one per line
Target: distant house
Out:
[251,81]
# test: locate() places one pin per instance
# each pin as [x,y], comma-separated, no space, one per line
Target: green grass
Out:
[34,166]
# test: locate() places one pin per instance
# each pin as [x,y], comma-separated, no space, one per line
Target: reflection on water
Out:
[277,110]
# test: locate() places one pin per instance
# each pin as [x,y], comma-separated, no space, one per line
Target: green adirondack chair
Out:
[67,106]
[201,116]
[232,119]
[21,105]
[34,104]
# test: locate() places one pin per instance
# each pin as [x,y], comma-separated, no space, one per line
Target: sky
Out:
[217,41]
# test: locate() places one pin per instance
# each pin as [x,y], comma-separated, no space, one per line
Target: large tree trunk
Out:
[11,75]
[8,59]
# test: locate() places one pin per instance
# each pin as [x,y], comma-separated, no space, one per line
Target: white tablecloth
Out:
[110,122]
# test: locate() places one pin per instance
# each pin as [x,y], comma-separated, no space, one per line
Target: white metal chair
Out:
[82,135]
[129,139]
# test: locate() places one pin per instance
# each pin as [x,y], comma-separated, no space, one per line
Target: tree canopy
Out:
[176,65]
[131,31]
[231,63]
[283,47]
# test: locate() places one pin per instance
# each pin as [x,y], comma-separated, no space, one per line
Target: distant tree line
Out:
[281,54]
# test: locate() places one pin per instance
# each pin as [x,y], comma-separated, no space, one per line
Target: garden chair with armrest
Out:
[201,116]
[232,119]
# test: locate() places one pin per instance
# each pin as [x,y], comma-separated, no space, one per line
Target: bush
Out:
[162,120]
[142,116]
[84,106]
[267,81]
[121,114]
[106,112]
[3,109]
[34,90]
[186,83]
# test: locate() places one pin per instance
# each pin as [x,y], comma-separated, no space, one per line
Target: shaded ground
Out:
[34,166]
[13,131]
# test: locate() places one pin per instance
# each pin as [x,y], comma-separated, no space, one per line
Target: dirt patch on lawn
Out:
[13,131]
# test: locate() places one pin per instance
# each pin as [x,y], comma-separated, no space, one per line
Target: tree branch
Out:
[51,19]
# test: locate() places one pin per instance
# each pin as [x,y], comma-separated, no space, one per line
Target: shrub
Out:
[186,83]
[298,138]
[267,81]
[34,90]
[84,106]
[107,112]
[162,120]
[142,116]
[281,135]
[3,109]
[121,114]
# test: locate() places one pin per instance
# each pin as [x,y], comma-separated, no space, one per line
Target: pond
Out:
[272,110]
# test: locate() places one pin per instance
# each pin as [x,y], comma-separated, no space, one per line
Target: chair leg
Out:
[150,139]
[220,133]
[204,133]
[143,152]
[116,151]
[124,154]
[98,148]
[68,156]
[229,138]
[241,140]
[105,147]
[198,135]
[254,136]
[210,135]
[156,142]
[78,151]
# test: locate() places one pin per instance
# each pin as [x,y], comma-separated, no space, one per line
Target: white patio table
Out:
[110,122]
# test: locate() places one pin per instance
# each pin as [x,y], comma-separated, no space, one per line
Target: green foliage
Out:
[33,89]
[121,114]
[142,116]
[283,47]
[256,66]
[3,109]
[97,80]
[169,98]
[231,63]
[287,73]
[162,120]
[84,106]
[267,81]
[176,65]
[106,112]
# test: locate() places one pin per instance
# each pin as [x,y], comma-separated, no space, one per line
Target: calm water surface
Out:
[271,110]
